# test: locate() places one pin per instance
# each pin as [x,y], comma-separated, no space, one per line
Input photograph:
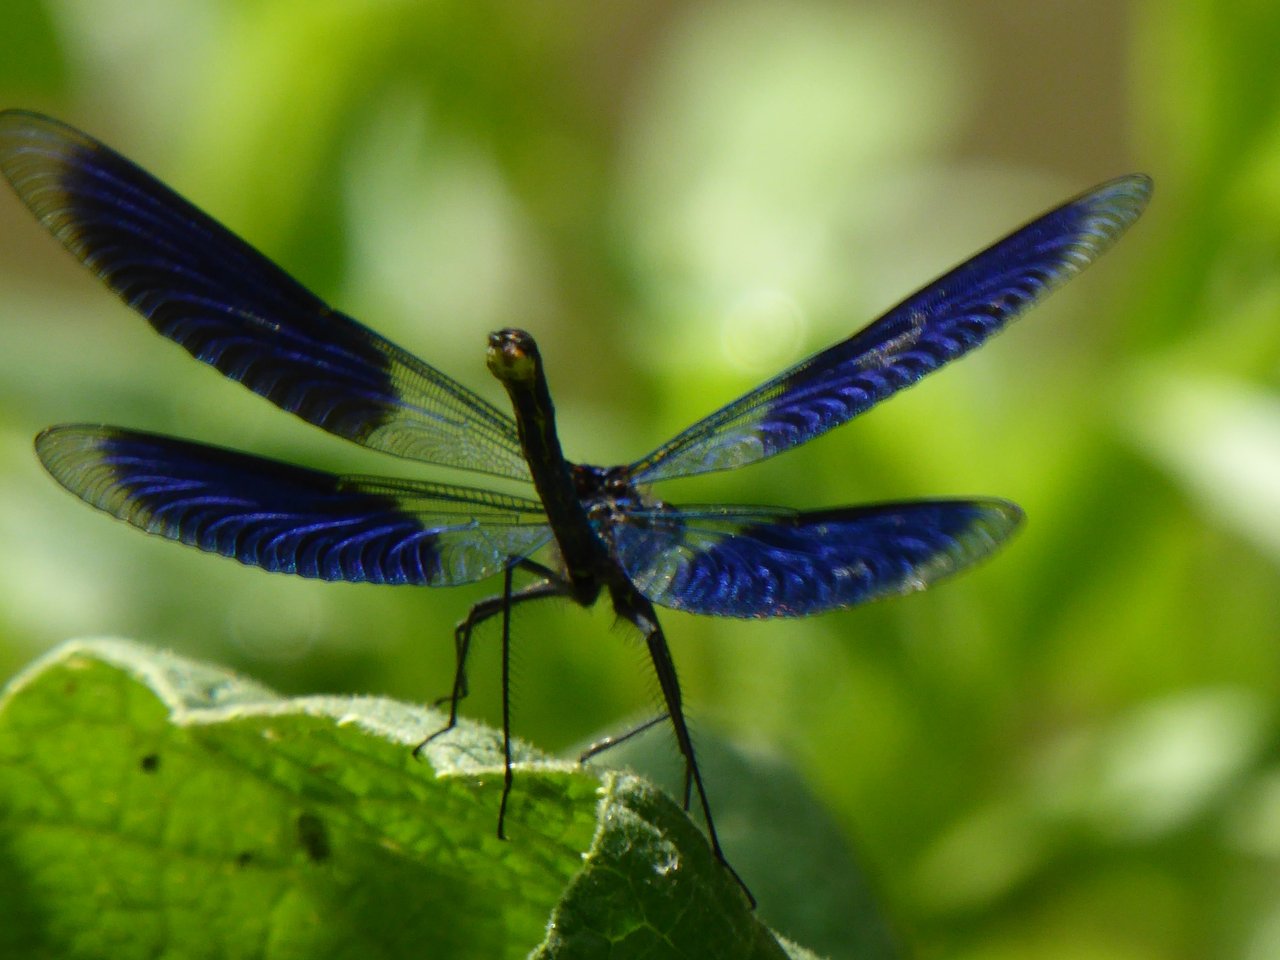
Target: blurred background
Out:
[1074,751]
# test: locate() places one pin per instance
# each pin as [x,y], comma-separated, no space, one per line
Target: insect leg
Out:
[506,703]
[552,585]
[635,609]
[613,740]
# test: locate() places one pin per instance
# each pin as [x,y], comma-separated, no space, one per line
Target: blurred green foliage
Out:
[1072,752]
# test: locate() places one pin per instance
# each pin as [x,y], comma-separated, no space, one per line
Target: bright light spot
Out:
[1222,440]
[668,864]
[437,240]
[271,622]
[133,64]
[757,159]
[57,586]
[1170,759]
[763,331]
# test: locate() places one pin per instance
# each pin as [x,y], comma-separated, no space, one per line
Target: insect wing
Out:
[290,519]
[765,562]
[206,289]
[945,320]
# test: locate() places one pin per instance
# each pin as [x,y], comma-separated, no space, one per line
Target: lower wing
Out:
[290,519]
[768,562]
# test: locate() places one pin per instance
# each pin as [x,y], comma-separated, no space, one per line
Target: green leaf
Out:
[818,892]
[151,806]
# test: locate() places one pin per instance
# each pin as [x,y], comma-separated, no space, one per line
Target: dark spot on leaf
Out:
[150,763]
[244,858]
[314,836]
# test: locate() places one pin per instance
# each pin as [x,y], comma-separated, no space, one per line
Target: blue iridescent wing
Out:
[945,320]
[229,306]
[767,562]
[289,519]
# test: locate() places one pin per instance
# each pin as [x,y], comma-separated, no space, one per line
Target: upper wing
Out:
[292,520]
[945,320]
[767,562]
[228,305]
